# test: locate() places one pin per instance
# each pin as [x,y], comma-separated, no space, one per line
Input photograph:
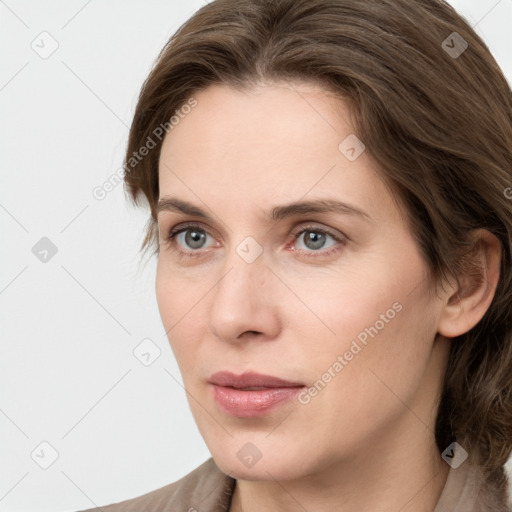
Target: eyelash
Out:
[173,232]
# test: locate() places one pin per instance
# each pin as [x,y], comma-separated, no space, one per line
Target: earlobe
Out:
[466,303]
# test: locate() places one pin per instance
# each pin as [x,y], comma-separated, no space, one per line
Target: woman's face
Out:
[269,273]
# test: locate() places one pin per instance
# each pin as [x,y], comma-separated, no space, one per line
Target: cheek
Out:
[376,317]
[177,292]
[380,353]
[360,387]
[166,296]
[341,306]
[179,304]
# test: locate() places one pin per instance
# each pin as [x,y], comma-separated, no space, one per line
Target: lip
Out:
[250,379]
[231,398]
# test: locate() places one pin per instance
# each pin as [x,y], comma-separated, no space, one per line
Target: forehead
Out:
[270,144]
[278,116]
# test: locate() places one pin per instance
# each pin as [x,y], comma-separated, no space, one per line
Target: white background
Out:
[68,375]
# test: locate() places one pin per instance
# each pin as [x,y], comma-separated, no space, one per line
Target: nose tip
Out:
[242,306]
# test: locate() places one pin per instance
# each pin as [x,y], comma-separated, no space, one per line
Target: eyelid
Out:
[297,230]
[184,226]
[315,226]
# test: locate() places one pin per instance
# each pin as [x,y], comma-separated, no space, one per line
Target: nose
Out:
[244,302]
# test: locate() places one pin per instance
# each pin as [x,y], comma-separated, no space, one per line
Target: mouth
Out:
[251,394]
[251,381]
[253,388]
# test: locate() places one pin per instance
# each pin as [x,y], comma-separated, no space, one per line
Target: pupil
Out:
[194,239]
[314,240]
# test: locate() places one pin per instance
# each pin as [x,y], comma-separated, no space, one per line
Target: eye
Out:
[189,237]
[312,239]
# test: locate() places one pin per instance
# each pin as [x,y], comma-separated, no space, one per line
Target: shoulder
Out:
[469,489]
[204,488]
[494,493]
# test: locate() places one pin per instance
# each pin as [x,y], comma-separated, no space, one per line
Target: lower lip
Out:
[249,404]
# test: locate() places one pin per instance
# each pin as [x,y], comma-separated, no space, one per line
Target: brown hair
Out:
[437,122]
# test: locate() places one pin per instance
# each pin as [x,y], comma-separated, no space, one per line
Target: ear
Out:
[465,305]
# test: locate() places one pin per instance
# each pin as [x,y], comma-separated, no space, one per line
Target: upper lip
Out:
[250,379]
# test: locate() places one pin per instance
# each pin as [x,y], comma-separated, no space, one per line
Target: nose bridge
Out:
[242,299]
[243,281]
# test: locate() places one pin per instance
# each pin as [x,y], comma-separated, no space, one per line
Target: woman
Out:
[329,185]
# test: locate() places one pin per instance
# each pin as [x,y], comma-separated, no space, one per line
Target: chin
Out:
[274,466]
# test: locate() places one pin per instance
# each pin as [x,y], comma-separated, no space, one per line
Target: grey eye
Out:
[193,238]
[315,239]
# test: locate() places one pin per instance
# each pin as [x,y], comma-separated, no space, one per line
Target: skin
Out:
[366,441]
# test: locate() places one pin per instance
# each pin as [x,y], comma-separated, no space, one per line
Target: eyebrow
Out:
[277,213]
